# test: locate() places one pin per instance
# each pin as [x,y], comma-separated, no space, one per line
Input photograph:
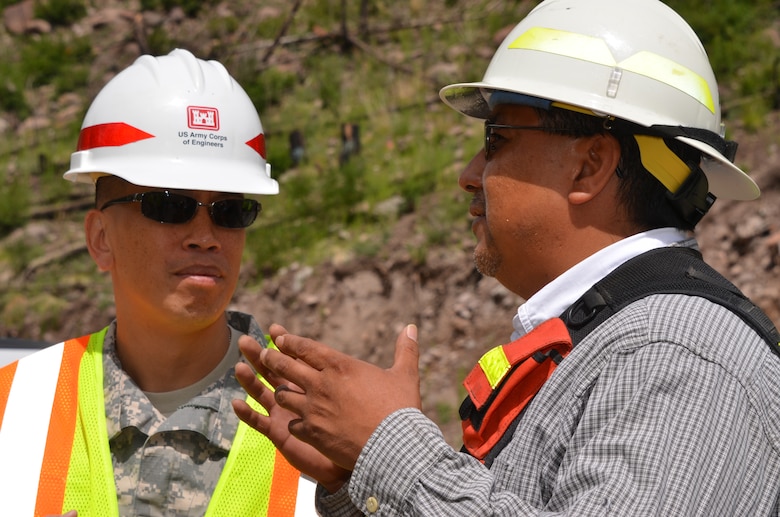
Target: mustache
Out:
[477,205]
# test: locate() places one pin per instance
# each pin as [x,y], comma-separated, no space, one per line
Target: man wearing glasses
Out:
[136,419]
[654,386]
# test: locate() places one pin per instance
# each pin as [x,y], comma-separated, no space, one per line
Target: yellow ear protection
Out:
[661,162]
[686,184]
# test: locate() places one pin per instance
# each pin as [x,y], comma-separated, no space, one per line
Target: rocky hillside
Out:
[358,304]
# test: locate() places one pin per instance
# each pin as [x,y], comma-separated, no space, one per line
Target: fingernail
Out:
[411,332]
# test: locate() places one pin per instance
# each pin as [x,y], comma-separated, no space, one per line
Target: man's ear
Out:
[600,157]
[97,240]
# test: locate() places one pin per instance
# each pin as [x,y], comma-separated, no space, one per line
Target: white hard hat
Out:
[174,122]
[635,60]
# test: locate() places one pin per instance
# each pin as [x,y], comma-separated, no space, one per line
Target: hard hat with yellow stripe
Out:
[636,61]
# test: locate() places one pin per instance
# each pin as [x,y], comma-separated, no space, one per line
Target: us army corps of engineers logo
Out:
[203,118]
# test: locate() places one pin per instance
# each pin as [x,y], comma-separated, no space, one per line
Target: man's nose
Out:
[471,177]
[201,232]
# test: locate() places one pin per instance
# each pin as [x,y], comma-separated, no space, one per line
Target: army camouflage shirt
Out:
[169,466]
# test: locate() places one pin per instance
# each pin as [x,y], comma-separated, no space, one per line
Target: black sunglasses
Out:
[166,207]
[490,129]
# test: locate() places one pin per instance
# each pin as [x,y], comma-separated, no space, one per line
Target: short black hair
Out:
[644,198]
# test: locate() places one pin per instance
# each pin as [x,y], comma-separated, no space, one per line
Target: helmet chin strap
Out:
[693,199]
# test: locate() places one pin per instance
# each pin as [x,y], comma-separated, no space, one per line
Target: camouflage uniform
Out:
[169,466]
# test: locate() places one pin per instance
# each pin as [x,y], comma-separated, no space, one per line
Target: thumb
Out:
[407,352]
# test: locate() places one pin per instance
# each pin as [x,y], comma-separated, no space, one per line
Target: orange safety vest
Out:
[54,453]
[505,380]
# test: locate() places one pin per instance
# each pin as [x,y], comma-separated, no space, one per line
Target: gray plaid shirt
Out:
[169,467]
[669,408]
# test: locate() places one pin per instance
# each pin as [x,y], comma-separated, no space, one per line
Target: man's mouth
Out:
[200,270]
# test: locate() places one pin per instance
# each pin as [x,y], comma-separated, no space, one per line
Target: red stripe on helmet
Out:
[112,134]
[258,144]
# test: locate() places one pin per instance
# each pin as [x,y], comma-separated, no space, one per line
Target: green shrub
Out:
[266,88]
[190,7]
[14,203]
[12,84]
[52,60]
[12,99]
[159,42]
[222,27]
[278,153]
[60,12]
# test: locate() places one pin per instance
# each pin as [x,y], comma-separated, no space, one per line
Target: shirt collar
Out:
[558,295]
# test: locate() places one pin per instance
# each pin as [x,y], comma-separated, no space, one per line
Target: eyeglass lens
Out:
[490,129]
[166,207]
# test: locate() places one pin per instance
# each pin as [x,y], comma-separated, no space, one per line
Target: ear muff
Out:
[662,162]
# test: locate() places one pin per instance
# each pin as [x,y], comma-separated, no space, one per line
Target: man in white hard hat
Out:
[136,419]
[638,381]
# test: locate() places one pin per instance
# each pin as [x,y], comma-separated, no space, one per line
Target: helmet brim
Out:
[726,180]
[467,98]
[175,174]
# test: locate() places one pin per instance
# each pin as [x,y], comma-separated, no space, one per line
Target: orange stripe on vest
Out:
[284,488]
[6,379]
[56,457]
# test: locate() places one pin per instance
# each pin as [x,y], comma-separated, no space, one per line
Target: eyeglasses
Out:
[490,135]
[166,207]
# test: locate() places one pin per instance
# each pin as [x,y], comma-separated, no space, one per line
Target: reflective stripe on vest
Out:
[34,428]
[55,397]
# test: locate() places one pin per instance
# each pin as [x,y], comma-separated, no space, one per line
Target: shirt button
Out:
[372,505]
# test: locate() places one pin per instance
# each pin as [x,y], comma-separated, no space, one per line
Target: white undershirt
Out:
[555,297]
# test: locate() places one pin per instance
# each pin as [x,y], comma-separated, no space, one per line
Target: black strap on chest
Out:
[667,270]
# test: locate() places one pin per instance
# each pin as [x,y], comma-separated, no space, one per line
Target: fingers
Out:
[287,394]
[262,394]
[251,417]
[290,398]
[406,367]
[407,352]
[253,385]
[252,350]
[324,398]
[315,354]
[276,330]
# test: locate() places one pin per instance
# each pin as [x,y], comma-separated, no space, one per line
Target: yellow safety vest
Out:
[54,453]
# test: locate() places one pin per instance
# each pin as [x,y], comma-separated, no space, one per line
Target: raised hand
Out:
[325,398]
[275,425]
